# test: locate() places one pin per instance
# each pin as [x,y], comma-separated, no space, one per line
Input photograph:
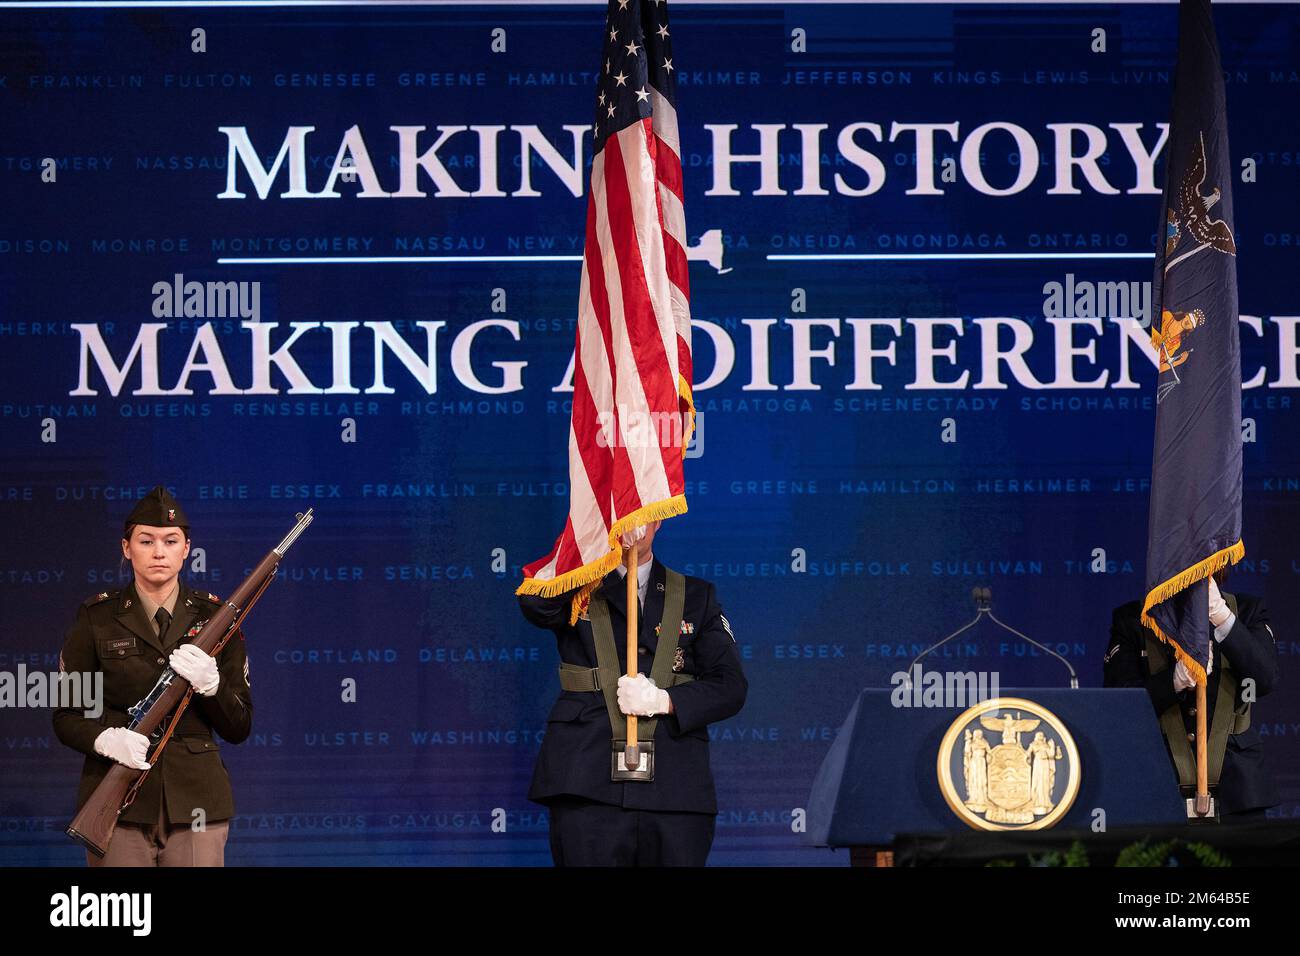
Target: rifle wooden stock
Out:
[95,822]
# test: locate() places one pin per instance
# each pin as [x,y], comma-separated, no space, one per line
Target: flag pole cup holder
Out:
[1202,810]
[643,755]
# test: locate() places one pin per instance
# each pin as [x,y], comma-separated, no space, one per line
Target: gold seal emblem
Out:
[993,782]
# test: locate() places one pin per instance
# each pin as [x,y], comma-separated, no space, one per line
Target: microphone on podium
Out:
[983,598]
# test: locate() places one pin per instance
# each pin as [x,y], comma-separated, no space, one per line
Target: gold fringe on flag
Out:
[684,392]
[1180,581]
[588,577]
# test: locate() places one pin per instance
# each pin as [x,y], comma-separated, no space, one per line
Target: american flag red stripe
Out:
[632,405]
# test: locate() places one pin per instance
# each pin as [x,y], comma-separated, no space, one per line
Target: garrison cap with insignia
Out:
[158,509]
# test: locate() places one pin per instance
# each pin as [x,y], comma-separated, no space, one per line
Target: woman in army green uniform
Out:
[180,816]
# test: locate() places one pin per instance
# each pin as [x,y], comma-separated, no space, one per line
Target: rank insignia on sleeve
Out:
[727,625]
[246,681]
[1110,653]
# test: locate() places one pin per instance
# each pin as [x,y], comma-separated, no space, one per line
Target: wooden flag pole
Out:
[1202,767]
[1202,804]
[631,755]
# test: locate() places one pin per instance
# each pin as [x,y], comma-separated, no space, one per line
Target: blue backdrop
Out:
[879,434]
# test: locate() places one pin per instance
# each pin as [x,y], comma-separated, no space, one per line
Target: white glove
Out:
[197,667]
[1183,679]
[633,536]
[125,746]
[1219,612]
[640,697]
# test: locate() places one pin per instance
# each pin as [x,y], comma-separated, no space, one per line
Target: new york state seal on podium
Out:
[1008,764]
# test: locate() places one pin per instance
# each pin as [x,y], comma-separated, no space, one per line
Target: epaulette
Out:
[98,598]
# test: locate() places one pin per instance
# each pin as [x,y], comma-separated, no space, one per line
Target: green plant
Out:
[1173,852]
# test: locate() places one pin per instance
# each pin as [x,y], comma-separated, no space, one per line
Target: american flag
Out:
[632,407]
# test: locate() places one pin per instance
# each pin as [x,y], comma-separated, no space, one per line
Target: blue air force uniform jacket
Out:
[575,754]
[1244,783]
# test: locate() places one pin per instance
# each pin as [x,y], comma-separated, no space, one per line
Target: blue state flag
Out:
[1195,519]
